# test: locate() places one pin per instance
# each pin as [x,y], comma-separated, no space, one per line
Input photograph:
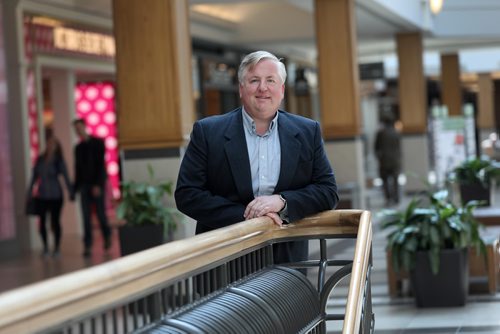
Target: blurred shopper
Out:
[388,151]
[45,185]
[90,181]
[256,161]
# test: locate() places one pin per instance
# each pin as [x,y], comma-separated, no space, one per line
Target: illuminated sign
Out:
[84,42]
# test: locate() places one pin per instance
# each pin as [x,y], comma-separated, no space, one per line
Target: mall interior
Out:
[142,72]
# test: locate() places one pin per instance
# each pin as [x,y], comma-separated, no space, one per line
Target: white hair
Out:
[254,58]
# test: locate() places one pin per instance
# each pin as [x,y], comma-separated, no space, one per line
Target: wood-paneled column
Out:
[412,109]
[451,90]
[338,68]
[153,60]
[155,94]
[411,81]
[486,111]
[486,106]
[339,95]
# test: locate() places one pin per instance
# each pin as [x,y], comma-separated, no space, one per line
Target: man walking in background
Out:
[388,151]
[90,180]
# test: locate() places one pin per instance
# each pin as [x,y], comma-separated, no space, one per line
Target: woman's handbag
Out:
[33,206]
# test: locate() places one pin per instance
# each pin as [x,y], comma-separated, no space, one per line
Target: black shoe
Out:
[87,253]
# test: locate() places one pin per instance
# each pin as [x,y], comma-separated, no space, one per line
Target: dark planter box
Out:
[449,287]
[134,239]
[469,192]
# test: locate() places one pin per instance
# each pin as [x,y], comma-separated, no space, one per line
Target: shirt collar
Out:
[249,123]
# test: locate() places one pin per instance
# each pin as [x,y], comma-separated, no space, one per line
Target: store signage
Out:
[84,42]
[371,71]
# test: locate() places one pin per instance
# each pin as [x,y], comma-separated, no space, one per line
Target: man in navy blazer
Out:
[256,161]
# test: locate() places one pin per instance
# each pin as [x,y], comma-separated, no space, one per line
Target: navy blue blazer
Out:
[214,184]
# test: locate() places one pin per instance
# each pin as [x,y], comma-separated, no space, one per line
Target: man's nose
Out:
[263,85]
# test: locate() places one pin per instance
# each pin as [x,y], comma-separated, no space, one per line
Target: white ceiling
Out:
[287,26]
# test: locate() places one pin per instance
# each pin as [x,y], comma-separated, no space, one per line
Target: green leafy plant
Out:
[431,228]
[478,170]
[143,203]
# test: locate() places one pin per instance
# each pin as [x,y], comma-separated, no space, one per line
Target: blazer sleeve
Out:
[192,196]
[320,193]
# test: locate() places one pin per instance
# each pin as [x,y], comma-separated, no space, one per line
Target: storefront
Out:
[59,66]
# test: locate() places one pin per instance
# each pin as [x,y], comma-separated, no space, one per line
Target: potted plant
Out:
[474,178]
[431,242]
[148,221]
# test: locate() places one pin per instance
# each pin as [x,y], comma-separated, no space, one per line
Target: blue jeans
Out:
[86,201]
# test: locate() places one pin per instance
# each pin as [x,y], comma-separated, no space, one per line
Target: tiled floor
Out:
[480,315]
[35,267]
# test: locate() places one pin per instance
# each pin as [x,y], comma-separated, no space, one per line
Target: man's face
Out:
[262,90]
[81,130]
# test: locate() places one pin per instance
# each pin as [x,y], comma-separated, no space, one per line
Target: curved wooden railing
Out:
[57,301]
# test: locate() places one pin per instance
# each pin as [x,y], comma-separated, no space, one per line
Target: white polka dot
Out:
[102,131]
[116,193]
[111,143]
[110,117]
[34,137]
[93,119]
[91,93]
[83,107]
[78,94]
[108,92]
[101,105]
[113,168]
[33,154]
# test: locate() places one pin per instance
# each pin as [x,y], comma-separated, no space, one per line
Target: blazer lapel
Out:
[290,151]
[237,155]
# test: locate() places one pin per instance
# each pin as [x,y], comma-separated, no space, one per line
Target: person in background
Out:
[48,168]
[90,181]
[256,161]
[388,152]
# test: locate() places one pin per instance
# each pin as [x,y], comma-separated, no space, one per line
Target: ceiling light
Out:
[218,11]
[436,6]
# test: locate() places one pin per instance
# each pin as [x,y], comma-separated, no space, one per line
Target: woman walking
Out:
[45,184]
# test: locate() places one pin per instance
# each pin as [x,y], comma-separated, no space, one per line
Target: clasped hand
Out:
[265,206]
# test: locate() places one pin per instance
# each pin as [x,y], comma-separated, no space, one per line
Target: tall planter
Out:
[449,287]
[475,191]
[136,238]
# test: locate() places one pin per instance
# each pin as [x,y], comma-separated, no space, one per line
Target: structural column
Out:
[153,61]
[413,109]
[339,92]
[62,87]
[451,91]
[486,112]
[16,69]
[155,95]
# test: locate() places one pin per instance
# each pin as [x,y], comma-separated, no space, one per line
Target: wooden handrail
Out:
[360,268]
[54,301]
